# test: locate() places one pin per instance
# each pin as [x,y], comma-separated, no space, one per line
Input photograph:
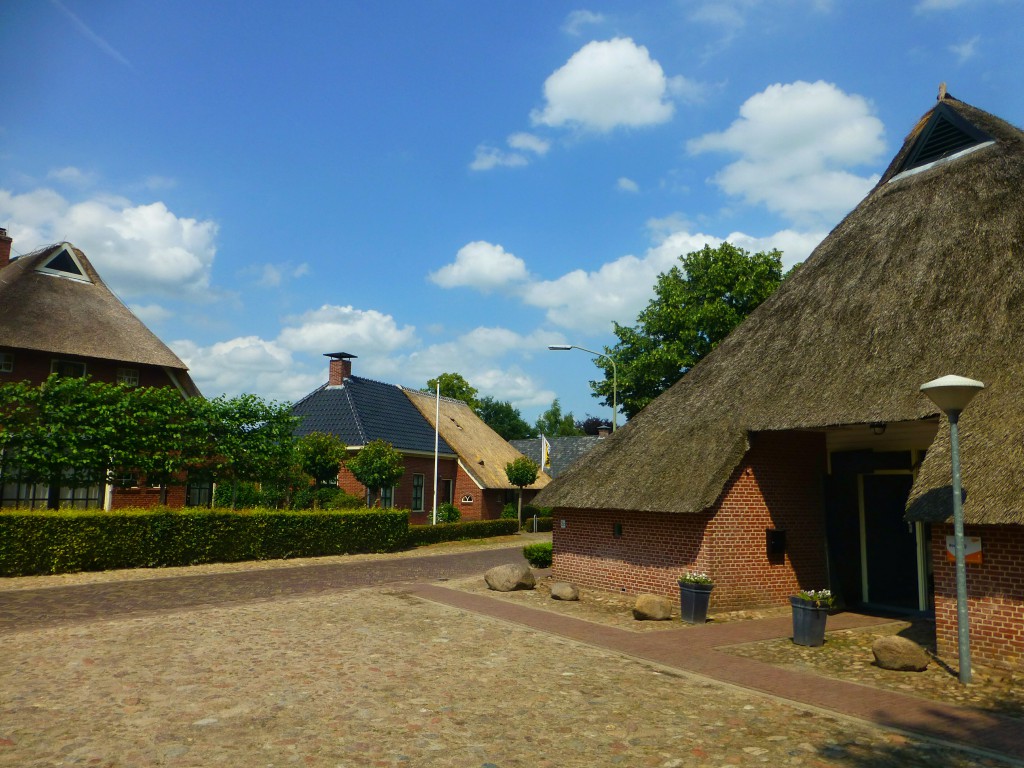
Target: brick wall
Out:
[777,485]
[995,592]
[147,497]
[422,465]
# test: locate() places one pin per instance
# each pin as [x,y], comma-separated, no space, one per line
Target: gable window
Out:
[417,493]
[128,377]
[946,135]
[69,368]
[64,264]
[6,362]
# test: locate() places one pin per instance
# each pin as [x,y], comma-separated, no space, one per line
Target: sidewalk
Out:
[695,650]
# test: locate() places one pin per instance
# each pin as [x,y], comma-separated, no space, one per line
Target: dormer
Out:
[64,264]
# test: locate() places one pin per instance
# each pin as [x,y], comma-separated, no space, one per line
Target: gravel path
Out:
[371,676]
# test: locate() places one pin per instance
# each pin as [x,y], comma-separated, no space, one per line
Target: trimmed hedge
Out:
[544,524]
[538,554]
[65,541]
[473,529]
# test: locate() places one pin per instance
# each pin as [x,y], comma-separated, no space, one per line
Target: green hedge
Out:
[538,554]
[87,540]
[544,524]
[474,529]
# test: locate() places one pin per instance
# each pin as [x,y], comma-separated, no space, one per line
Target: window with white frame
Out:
[6,362]
[387,497]
[417,493]
[69,368]
[128,377]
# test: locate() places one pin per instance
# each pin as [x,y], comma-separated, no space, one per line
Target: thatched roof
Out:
[924,278]
[482,451]
[52,313]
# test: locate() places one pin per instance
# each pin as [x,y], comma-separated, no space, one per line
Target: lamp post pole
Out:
[615,375]
[952,394]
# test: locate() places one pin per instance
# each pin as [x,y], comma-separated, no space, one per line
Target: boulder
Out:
[652,608]
[511,576]
[900,654]
[563,590]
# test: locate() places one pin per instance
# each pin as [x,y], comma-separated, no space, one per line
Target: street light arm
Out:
[615,375]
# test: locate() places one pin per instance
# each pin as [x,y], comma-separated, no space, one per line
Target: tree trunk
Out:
[520,513]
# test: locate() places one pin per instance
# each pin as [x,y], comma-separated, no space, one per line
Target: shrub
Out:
[326,497]
[509,512]
[420,535]
[529,510]
[544,524]
[71,540]
[448,513]
[539,554]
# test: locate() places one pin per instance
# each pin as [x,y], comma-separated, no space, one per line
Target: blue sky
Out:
[452,186]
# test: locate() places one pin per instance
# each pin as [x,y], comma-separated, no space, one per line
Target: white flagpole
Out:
[437,420]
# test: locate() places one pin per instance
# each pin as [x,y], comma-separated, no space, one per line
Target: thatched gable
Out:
[50,313]
[482,451]
[924,278]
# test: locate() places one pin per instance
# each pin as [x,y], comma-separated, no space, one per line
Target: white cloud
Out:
[529,142]
[626,185]
[136,248]
[488,157]
[966,50]
[246,364]
[72,176]
[608,84]
[333,328]
[273,275]
[795,143]
[577,20]
[619,289]
[481,265]
[151,313]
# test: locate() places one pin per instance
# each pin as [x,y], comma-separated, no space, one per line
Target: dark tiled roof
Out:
[362,410]
[565,451]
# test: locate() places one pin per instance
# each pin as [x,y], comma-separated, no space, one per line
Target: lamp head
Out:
[559,347]
[952,393]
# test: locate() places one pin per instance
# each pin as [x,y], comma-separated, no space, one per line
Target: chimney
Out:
[604,431]
[340,368]
[5,248]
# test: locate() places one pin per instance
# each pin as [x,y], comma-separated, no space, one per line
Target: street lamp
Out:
[952,394]
[615,375]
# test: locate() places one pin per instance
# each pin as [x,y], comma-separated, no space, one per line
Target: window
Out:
[6,362]
[467,498]
[387,497]
[64,264]
[447,490]
[70,368]
[128,377]
[417,493]
[127,480]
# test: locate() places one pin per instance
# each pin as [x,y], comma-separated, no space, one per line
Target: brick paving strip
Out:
[694,649]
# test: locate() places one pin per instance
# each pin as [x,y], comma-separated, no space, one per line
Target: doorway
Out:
[889,544]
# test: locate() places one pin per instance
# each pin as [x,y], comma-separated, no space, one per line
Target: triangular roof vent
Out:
[64,264]
[945,134]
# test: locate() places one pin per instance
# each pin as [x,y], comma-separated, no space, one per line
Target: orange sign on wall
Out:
[972,549]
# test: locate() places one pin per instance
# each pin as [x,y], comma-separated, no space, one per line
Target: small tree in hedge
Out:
[521,472]
[377,465]
[320,456]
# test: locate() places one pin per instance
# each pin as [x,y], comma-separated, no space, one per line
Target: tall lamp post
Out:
[952,394]
[615,375]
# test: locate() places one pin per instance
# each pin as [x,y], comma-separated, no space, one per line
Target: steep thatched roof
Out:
[53,313]
[482,451]
[924,278]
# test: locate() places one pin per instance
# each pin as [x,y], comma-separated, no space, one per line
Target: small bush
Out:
[539,554]
[326,497]
[509,512]
[448,513]
[529,510]
[544,524]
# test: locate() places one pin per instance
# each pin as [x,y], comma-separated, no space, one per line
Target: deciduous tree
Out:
[377,466]
[521,472]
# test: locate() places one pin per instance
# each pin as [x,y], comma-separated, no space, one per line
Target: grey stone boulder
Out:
[652,608]
[900,654]
[563,590]
[509,577]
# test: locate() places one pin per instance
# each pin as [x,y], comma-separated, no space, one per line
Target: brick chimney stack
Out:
[5,248]
[604,431]
[340,368]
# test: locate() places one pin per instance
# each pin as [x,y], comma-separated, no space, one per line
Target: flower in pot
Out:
[810,611]
[694,594]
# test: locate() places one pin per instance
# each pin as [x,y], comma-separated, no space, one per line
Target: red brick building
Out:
[58,316]
[801,453]
[471,457]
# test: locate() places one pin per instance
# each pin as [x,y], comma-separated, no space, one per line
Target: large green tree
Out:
[554,423]
[453,385]
[696,304]
[320,456]
[503,418]
[377,466]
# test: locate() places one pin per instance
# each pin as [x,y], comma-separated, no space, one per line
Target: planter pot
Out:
[808,622]
[693,602]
